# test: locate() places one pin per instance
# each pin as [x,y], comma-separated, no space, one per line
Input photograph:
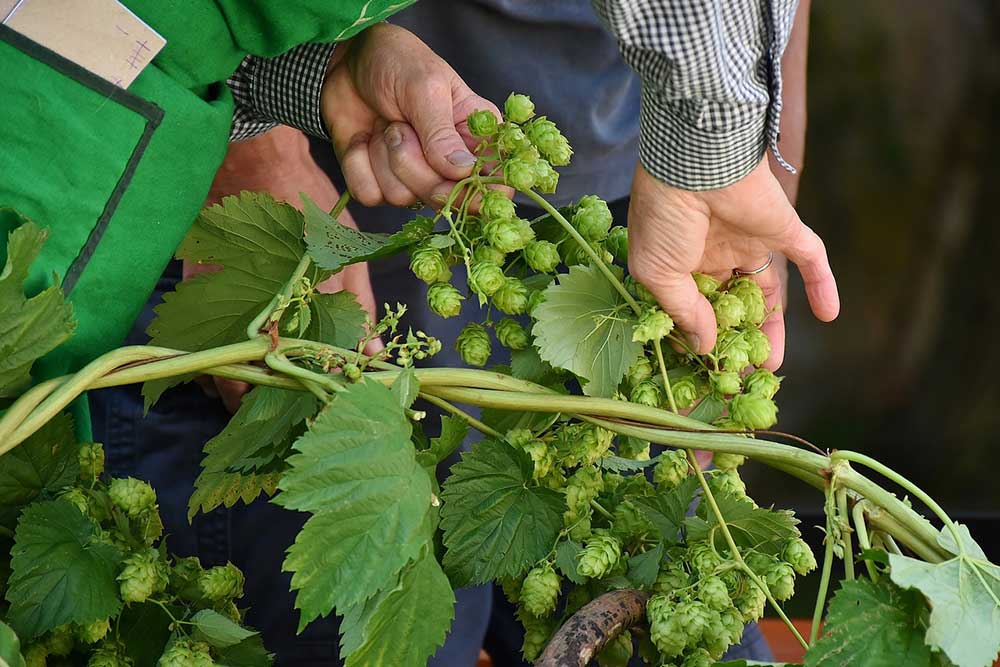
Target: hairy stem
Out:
[459,412]
[824,583]
[858,514]
[844,519]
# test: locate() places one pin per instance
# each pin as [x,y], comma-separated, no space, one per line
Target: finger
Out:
[804,247]
[231,392]
[357,168]
[774,326]
[432,115]
[678,295]
[393,190]
[408,164]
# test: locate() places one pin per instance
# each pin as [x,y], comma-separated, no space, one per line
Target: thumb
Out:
[432,116]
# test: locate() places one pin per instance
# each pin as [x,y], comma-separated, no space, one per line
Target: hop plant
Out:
[536,635]
[518,108]
[685,392]
[473,344]
[760,346]
[535,297]
[542,256]
[582,486]
[495,206]
[91,458]
[489,254]
[512,297]
[763,383]
[599,556]
[93,632]
[703,558]
[665,631]
[671,469]
[798,554]
[781,581]
[144,574]
[641,369]
[727,461]
[729,311]
[444,299]
[629,523]
[698,658]
[221,583]
[707,285]
[35,656]
[519,174]
[694,617]
[751,603]
[748,291]
[670,578]
[728,482]
[78,498]
[428,265]
[482,123]
[592,218]
[732,621]
[485,278]
[725,382]
[733,350]
[713,592]
[60,640]
[186,653]
[508,235]
[653,324]
[542,456]
[753,411]
[646,393]
[550,142]
[132,496]
[617,243]
[111,653]
[511,334]
[540,590]
[634,448]
[511,139]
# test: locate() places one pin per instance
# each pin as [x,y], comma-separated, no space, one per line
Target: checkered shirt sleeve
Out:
[284,90]
[711,83]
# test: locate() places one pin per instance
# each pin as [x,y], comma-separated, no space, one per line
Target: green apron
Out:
[118,176]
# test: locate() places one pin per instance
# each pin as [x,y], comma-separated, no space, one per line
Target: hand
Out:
[396,113]
[674,232]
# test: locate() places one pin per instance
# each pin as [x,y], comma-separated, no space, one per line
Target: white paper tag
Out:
[102,36]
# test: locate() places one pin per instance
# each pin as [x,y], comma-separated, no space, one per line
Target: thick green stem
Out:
[824,583]
[844,519]
[320,386]
[858,514]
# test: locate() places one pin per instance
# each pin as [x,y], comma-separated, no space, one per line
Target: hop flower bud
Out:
[703,559]
[665,631]
[485,278]
[221,583]
[508,235]
[713,592]
[694,617]
[511,334]
[186,653]
[35,655]
[798,554]
[733,350]
[727,461]
[599,556]
[728,482]
[512,297]
[78,498]
[654,324]
[685,393]
[428,265]
[670,578]
[473,344]
[641,369]
[490,255]
[535,298]
[729,311]
[753,411]
[698,658]
[482,123]
[519,173]
[60,641]
[760,562]
[518,108]
[110,654]
[748,291]
[760,346]
[352,372]
[444,299]
[93,632]
[671,469]
[592,218]
[495,206]
[781,580]
[763,383]
[91,457]
[542,256]
[646,393]
[707,285]
[144,574]
[618,243]
[547,138]
[751,603]
[511,139]
[546,178]
[540,590]
[536,635]
[132,496]
[726,382]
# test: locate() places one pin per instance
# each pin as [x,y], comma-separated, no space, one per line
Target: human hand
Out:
[396,113]
[674,232]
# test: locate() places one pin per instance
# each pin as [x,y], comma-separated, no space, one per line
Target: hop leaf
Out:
[91,457]
[132,496]
[518,108]
[542,256]
[511,334]
[671,470]
[654,324]
[592,218]
[753,411]
[482,123]
[144,574]
[473,344]
[221,583]
[512,297]
[444,299]
[495,206]
[599,556]
[729,311]
[763,383]
[725,382]
[540,590]
[509,234]
[428,265]
[798,554]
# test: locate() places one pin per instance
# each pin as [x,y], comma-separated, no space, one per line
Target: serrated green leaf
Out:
[144,628]
[667,510]
[10,647]
[872,625]
[708,409]
[217,630]
[643,568]
[585,327]
[496,523]
[333,246]
[403,626]
[60,573]
[248,653]
[29,328]
[964,596]
[758,528]
[42,464]
[454,430]
[405,388]
[356,470]
[337,319]
[567,554]
[621,464]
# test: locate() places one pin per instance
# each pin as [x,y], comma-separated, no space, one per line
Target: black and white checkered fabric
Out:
[711,83]
[284,90]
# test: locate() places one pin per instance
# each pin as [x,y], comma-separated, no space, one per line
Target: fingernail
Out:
[462,159]
[393,137]
[439,198]
[694,341]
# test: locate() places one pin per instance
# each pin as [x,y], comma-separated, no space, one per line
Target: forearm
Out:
[792,141]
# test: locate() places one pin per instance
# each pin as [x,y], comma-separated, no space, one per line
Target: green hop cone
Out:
[599,556]
[633,448]
[703,558]
[617,243]
[732,620]
[184,573]
[707,285]
[629,523]
[759,562]
[91,457]
[546,178]
[763,383]
[727,461]
[760,346]
[667,634]
[716,639]
[518,108]
[582,486]
[352,372]
[511,139]
[508,235]
[729,311]
[132,496]
[540,591]
[428,265]
[751,603]
[542,256]
[685,392]
[512,297]
[511,587]
[798,554]
[444,299]
[748,291]
[640,370]
[550,142]
[781,581]
[580,527]
[671,469]
[35,655]
[473,344]
[221,583]
[592,218]
[482,123]
[78,498]
[60,640]
[725,382]
[670,578]
[496,206]
[646,393]
[485,278]
[543,459]
[694,617]
[511,334]
[519,173]
[698,658]
[617,652]
[93,632]
[490,255]
[144,574]
[728,482]
[536,635]
[713,592]
[111,653]
[733,349]
[186,653]
[753,411]
[654,324]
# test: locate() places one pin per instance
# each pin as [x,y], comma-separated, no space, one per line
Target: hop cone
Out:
[798,554]
[599,557]
[763,383]
[512,297]
[749,292]
[729,311]
[540,591]
[646,393]
[511,334]
[654,324]
[473,344]
[542,256]
[753,411]
[428,265]
[485,278]
[91,457]
[671,469]
[760,346]
[221,583]
[781,581]
[713,592]
[518,108]
[142,576]
[444,300]
[618,243]
[132,496]
[592,218]
[482,123]
[93,632]
[186,653]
